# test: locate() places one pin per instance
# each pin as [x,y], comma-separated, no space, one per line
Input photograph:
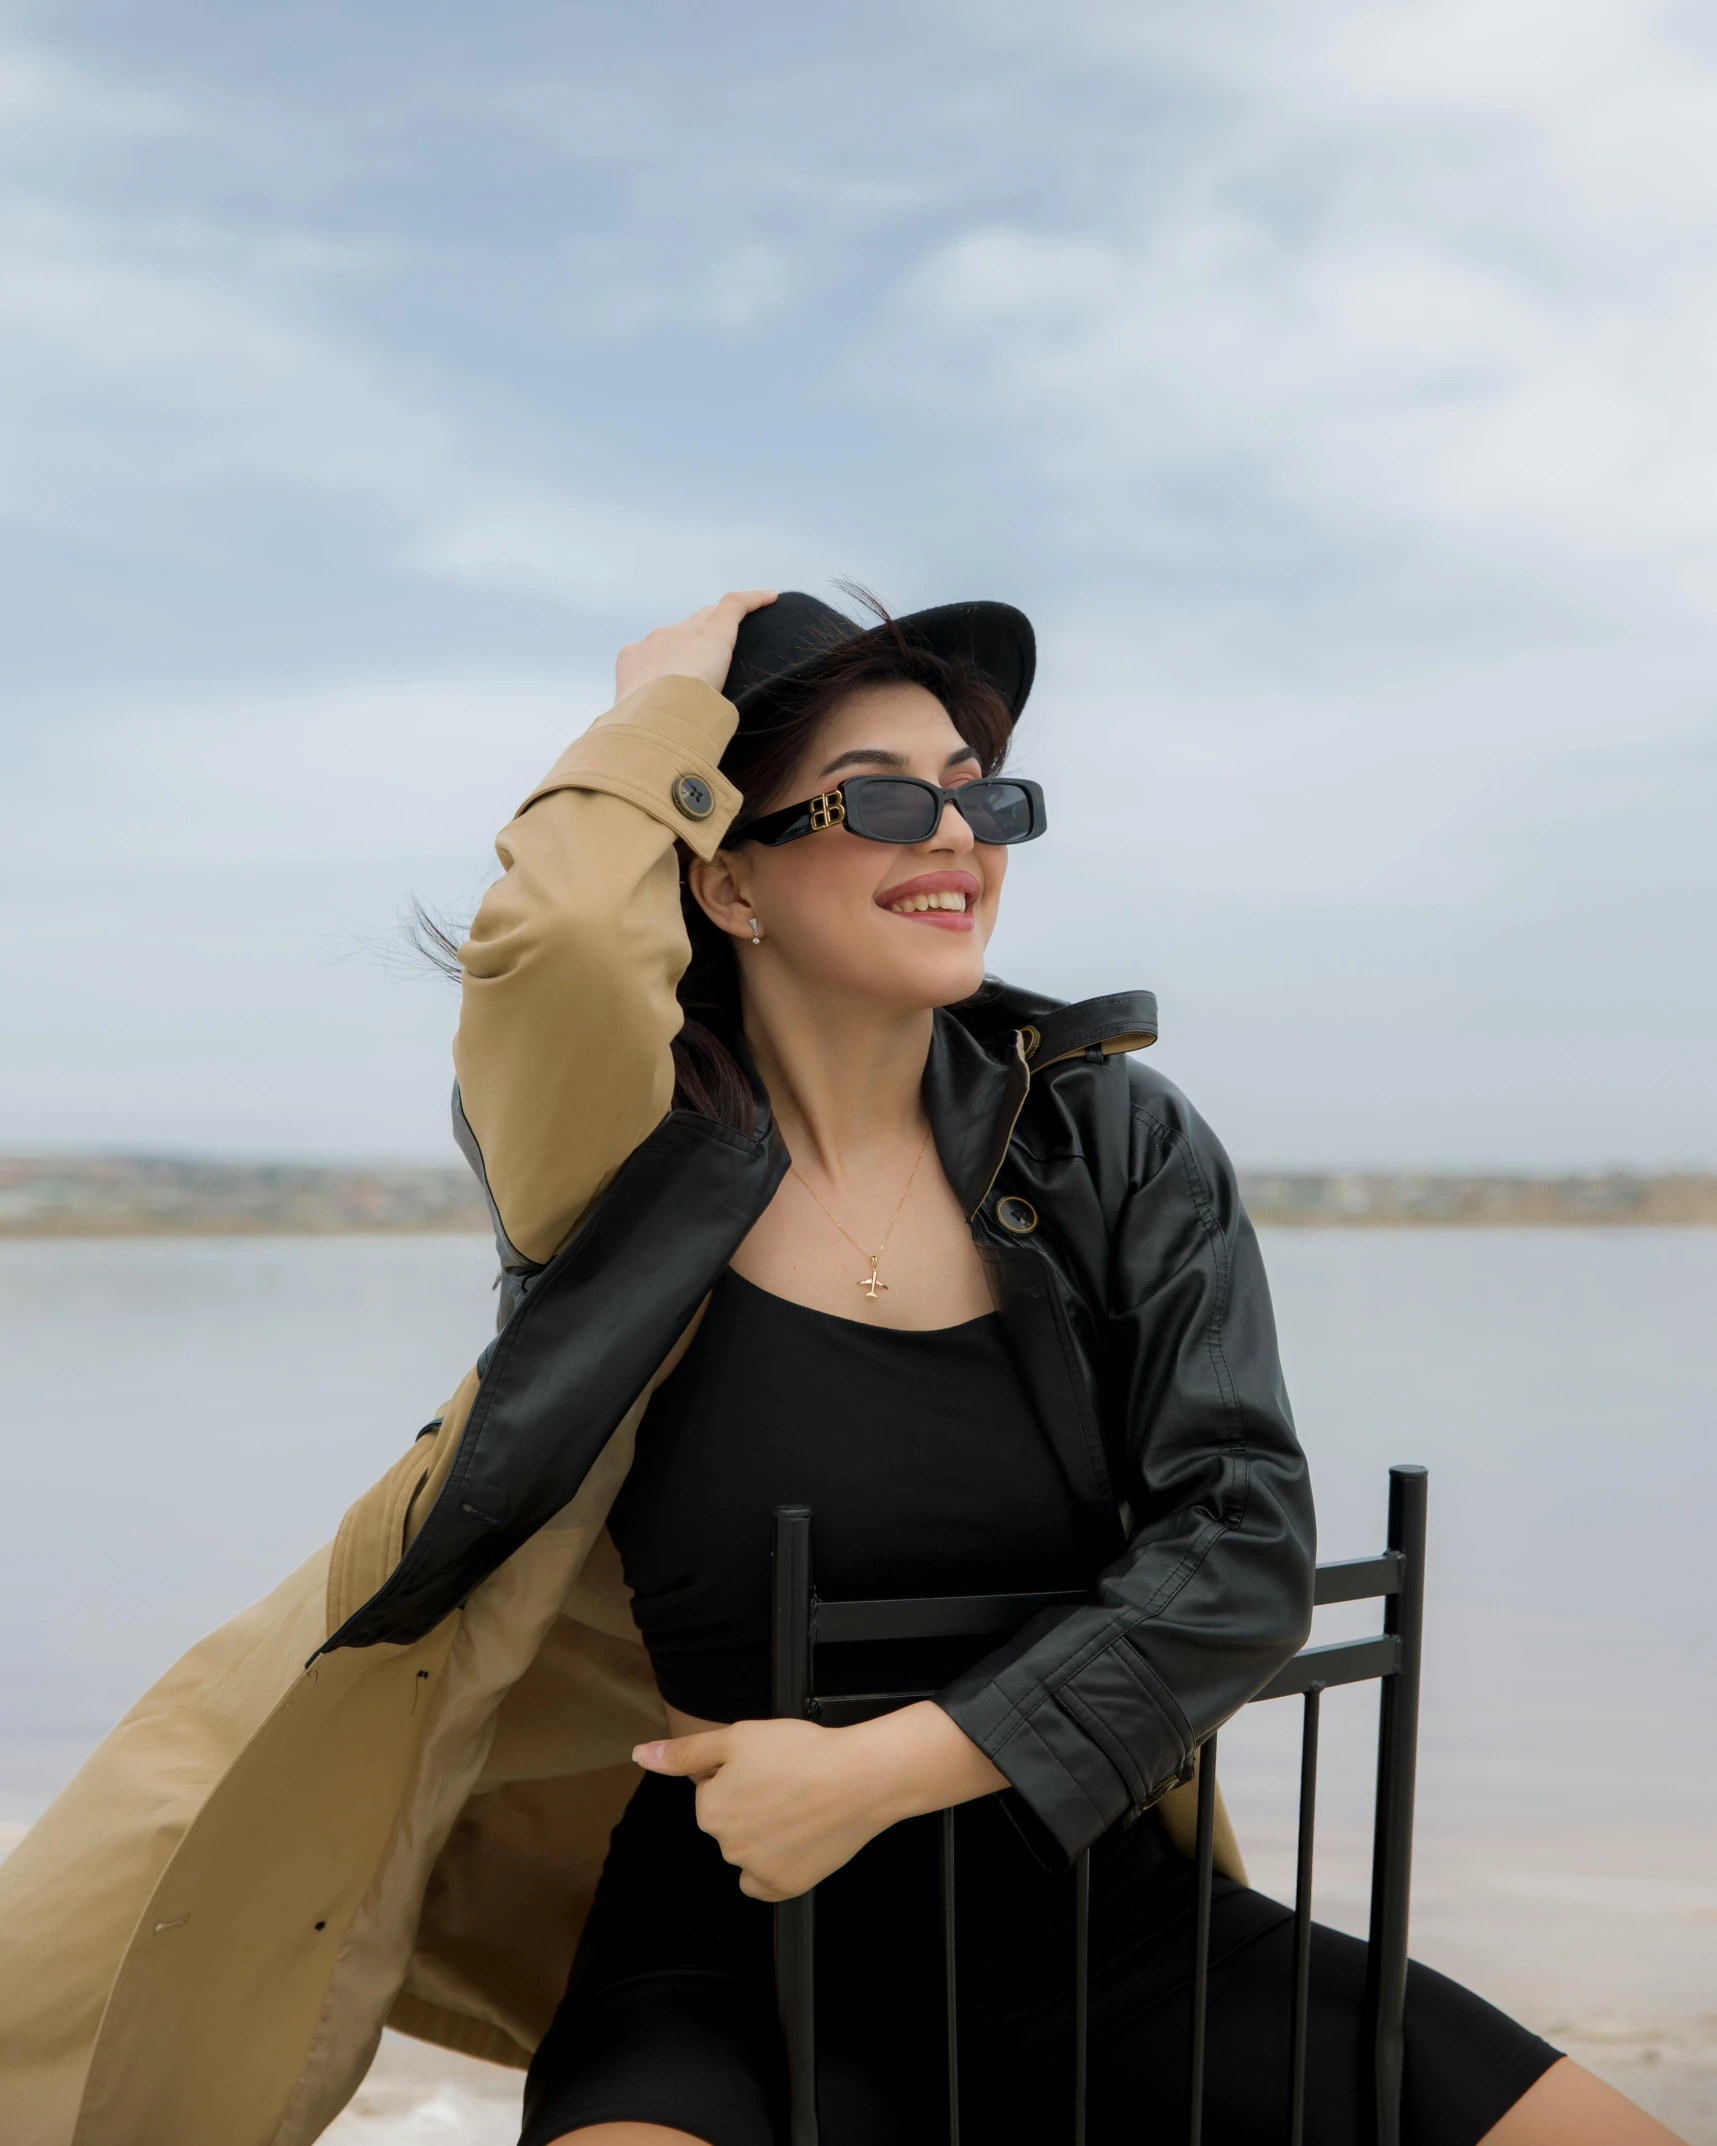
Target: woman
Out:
[852,1356]
[792,1206]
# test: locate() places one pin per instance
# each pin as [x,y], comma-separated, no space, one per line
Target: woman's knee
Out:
[627,2134]
[1570,2106]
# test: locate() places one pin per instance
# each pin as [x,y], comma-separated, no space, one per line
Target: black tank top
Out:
[919,1454]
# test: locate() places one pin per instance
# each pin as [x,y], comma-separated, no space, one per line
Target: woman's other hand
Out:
[789,1801]
[698,647]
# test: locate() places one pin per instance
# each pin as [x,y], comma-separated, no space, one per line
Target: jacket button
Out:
[1017,1217]
[693,796]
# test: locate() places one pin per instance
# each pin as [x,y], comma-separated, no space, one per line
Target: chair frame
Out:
[801,1623]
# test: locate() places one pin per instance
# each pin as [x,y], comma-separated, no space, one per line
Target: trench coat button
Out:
[1018,1217]
[693,796]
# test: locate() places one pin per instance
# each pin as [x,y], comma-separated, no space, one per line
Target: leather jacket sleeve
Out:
[571,967]
[1098,1711]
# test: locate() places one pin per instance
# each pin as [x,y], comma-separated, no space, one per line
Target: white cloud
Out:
[1439,275]
[380,775]
[131,357]
[149,356]
[46,104]
[1373,375]
[1457,787]
[604,557]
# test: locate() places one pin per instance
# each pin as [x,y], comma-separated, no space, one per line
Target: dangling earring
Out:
[756,934]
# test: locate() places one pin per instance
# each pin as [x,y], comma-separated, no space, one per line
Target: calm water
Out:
[186,1420]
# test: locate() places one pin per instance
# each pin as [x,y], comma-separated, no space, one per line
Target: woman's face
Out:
[904,926]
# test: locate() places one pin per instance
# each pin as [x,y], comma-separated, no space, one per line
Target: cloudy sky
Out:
[1336,387]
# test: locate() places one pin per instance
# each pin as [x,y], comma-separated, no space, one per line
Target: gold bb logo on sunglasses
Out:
[1000,809]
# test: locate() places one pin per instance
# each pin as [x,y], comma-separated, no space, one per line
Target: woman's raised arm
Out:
[571,967]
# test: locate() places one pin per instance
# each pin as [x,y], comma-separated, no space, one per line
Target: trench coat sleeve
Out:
[562,1053]
[1098,1711]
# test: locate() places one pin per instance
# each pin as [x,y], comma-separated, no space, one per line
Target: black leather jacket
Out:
[1130,1287]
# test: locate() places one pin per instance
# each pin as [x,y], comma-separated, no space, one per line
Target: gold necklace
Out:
[870,1285]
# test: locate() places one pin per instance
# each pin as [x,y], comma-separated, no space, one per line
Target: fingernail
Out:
[647,1754]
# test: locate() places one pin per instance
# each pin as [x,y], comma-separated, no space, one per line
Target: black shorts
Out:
[669,2013]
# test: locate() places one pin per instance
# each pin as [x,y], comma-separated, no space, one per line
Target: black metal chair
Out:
[802,1624]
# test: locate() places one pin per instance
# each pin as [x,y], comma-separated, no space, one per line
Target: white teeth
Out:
[951,899]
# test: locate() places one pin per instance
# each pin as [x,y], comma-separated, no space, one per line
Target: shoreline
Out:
[119,1196]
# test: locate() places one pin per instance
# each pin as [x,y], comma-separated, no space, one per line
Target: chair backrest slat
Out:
[1343,1661]
[1392,1832]
[795,1920]
[933,1617]
[1301,1999]
[950,1973]
[1081,1991]
[1203,1863]
[1357,1579]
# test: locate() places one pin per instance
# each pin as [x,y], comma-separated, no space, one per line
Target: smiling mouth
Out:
[942,901]
[914,903]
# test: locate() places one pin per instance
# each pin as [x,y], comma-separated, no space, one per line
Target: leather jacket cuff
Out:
[1075,1794]
[1060,1754]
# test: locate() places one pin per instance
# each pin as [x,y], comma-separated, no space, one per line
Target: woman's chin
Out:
[908,968]
[943,973]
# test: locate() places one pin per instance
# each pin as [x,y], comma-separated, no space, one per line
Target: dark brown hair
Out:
[778,724]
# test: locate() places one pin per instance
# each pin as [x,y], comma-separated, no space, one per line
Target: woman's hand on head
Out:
[698,647]
[788,1801]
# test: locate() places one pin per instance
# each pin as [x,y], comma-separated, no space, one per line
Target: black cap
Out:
[786,636]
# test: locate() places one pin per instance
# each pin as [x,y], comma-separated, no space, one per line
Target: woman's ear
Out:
[721,887]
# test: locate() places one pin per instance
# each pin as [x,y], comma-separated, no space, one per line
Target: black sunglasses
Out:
[901,808]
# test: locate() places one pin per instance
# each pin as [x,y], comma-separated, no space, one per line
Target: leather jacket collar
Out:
[983,1054]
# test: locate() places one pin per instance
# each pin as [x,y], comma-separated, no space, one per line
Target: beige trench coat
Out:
[265,1864]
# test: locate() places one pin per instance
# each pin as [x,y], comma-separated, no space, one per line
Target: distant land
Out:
[1338,1199]
[150,1196]
[162,1196]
